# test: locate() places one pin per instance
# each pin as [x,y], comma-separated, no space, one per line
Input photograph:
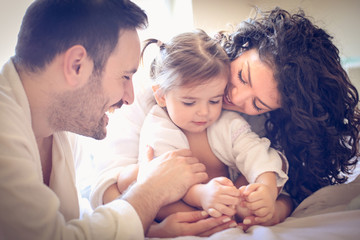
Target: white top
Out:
[28,208]
[121,146]
[230,138]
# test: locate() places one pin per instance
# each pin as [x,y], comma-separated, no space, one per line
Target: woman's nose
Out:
[240,96]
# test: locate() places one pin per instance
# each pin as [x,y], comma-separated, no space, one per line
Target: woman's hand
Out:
[171,174]
[195,223]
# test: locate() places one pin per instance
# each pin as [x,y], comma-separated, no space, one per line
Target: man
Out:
[74,61]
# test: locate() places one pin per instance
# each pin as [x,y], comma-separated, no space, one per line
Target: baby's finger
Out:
[253,206]
[224,209]
[228,200]
[231,191]
[255,196]
[250,188]
[242,189]
[224,181]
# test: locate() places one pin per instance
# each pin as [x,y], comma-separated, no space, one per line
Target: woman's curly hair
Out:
[318,124]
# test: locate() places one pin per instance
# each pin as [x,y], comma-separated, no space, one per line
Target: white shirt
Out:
[28,208]
[230,139]
[121,146]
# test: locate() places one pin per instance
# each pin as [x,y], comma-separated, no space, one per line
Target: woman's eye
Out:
[127,77]
[256,107]
[241,78]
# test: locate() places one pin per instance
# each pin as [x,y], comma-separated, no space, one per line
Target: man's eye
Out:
[241,78]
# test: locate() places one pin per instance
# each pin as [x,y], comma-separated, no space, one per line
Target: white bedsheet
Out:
[332,212]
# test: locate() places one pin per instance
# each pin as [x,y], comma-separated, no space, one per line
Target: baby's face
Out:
[194,108]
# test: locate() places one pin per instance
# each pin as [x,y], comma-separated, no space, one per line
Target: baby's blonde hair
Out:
[190,58]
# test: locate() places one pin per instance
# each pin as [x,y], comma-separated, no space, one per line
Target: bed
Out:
[330,213]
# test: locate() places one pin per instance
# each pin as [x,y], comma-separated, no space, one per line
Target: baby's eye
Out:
[215,102]
[188,103]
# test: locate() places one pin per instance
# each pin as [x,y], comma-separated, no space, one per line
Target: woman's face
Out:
[252,89]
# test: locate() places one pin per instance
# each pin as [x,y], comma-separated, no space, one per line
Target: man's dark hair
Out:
[50,27]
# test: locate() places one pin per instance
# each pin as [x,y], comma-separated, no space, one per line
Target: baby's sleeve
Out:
[160,133]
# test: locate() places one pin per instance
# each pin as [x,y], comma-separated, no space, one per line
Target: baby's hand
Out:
[220,196]
[259,200]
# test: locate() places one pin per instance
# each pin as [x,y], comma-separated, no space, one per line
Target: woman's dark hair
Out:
[50,27]
[318,124]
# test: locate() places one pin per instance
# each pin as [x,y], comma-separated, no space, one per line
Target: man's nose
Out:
[128,97]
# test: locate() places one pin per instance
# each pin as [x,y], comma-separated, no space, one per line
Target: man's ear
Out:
[159,96]
[77,66]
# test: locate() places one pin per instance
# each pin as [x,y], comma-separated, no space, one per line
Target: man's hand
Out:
[171,174]
[163,180]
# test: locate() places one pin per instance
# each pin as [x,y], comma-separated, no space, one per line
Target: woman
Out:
[287,70]
[284,65]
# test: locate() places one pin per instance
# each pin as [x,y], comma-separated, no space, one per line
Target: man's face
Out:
[89,104]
